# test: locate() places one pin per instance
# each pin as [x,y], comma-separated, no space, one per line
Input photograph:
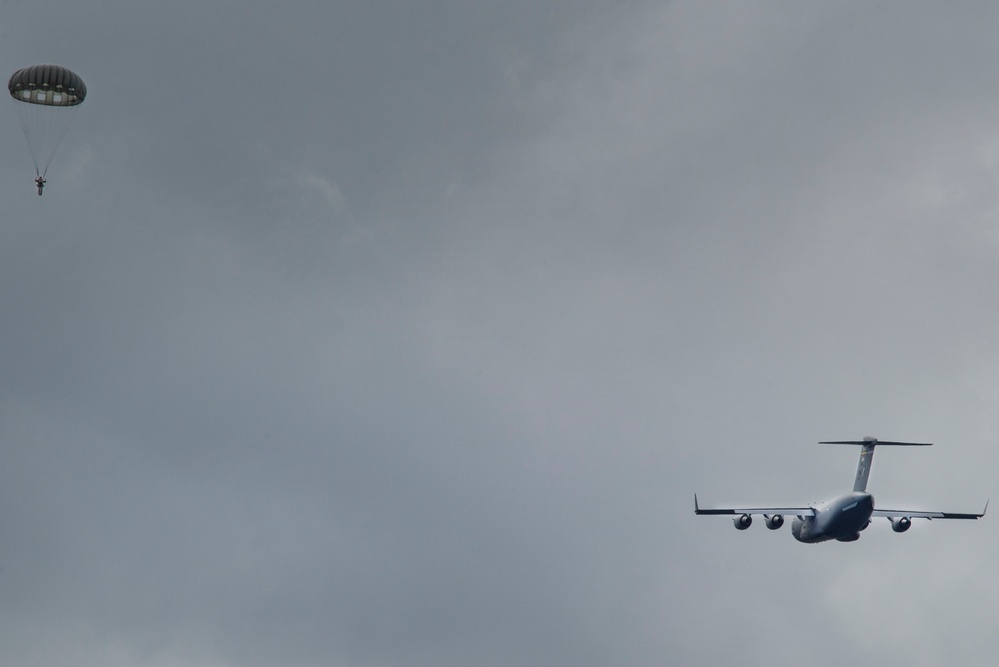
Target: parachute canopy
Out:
[46,96]
[51,85]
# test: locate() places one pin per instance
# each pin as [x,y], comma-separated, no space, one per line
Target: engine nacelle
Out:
[743,522]
[901,524]
[774,521]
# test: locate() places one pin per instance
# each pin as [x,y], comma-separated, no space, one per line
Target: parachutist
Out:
[45,96]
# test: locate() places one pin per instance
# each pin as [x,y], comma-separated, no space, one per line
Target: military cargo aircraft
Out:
[843,517]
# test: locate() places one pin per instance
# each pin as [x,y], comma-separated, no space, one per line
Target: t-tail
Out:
[867,456]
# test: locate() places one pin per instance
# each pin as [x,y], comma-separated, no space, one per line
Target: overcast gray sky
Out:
[402,333]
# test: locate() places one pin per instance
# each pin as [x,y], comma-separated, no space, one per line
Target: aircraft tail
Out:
[867,456]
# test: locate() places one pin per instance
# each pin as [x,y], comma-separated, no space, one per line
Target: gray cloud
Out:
[354,334]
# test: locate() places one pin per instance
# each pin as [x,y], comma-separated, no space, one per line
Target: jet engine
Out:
[901,524]
[743,522]
[774,521]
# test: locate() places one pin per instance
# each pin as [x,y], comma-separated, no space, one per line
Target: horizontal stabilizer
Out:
[875,441]
[867,456]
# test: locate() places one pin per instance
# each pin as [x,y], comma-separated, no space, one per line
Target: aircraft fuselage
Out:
[841,518]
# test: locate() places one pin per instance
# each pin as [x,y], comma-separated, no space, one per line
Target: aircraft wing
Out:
[891,514]
[789,511]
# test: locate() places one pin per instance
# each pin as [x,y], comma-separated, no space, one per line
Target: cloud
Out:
[388,335]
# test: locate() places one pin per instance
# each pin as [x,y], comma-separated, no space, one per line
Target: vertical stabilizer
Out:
[864,467]
[867,456]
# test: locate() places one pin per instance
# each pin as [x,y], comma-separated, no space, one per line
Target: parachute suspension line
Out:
[62,135]
[44,128]
[24,115]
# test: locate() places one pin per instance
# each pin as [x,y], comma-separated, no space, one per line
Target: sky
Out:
[403,333]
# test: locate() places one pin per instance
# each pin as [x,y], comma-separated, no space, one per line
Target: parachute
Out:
[46,97]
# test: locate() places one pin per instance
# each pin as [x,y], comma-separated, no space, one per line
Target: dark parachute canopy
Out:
[46,96]
[52,85]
